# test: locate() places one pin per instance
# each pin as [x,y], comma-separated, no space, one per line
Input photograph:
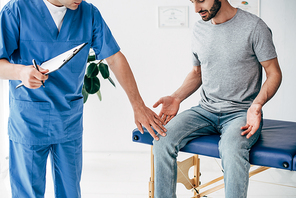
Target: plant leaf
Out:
[99,95]
[92,85]
[104,70]
[85,94]
[92,70]
[91,58]
[111,81]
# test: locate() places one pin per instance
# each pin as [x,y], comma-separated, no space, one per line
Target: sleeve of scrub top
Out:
[9,33]
[104,44]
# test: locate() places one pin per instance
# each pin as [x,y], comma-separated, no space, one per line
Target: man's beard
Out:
[213,11]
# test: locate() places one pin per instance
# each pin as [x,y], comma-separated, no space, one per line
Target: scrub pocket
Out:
[28,121]
[76,117]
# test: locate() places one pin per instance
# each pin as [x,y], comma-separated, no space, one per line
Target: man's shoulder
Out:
[12,8]
[89,7]
[247,14]
[247,17]
[16,5]
[251,21]
[12,3]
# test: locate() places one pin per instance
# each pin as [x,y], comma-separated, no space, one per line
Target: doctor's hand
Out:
[253,120]
[170,108]
[147,118]
[31,77]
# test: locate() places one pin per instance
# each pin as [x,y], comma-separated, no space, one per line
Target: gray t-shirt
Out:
[229,55]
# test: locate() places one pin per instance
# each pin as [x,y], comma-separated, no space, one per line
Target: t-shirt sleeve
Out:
[195,59]
[262,42]
[9,33]
[104,44]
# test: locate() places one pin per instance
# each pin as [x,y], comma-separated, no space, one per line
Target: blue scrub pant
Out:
[28,169]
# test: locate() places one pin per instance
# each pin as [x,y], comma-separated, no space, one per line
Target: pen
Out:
[35,65]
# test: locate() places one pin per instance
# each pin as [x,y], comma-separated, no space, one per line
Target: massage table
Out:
[276,148]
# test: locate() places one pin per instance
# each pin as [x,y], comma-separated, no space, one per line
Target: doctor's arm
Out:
[143,115]
[268,89]
[29,76]
[171,104]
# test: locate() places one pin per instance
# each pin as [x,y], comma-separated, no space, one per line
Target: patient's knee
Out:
[164,146]
[234,155]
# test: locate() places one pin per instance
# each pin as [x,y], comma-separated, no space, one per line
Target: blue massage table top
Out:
[276,147]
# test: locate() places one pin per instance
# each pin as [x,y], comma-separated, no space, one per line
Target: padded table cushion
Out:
[294,161]
[276,146]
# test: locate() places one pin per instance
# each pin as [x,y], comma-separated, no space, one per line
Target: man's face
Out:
[71,4]
[207,8]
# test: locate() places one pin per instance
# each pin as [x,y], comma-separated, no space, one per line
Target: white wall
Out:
[281,17]
[161,59]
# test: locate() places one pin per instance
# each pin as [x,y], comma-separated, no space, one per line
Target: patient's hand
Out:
[170,108]
[253,120]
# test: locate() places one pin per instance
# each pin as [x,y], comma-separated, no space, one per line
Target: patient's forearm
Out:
[190,85]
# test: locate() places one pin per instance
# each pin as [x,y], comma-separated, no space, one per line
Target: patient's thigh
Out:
[188,125]
[231,138]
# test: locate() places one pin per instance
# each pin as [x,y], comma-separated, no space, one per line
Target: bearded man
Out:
[229,49]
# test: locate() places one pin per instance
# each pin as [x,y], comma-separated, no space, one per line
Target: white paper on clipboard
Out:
[60,60]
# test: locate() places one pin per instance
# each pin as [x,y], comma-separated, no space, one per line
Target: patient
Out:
[229,48]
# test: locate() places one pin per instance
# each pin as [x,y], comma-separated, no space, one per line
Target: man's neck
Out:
[225,13]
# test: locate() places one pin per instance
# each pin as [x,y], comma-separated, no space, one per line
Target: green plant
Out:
[91,81]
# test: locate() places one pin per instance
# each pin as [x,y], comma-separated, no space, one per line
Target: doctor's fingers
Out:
[39,75]
[32,83]
[150,130]
[43,71]
[30,72]
[158,126]
[153,127]
[42,77]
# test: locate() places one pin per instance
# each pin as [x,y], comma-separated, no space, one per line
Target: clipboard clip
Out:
[69,57]
[75,51]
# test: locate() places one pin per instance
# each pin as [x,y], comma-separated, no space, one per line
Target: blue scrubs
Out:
[50,115]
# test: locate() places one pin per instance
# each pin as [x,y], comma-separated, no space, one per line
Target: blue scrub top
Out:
[52,114]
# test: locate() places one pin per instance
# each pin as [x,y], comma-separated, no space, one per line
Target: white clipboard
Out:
[59,61]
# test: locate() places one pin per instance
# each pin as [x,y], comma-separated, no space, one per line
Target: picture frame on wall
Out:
[172,16]
[252,6]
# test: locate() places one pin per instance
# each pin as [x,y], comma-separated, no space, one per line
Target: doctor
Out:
[48,120]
